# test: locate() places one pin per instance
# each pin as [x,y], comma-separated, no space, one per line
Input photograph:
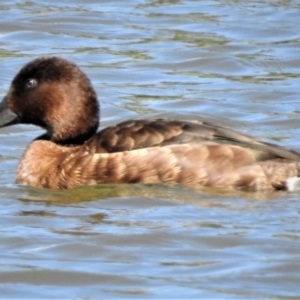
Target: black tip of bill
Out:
[7,116]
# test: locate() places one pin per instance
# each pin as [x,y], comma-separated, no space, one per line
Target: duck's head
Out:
[55,94]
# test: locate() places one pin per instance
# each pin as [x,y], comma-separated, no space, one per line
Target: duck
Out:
[55,94]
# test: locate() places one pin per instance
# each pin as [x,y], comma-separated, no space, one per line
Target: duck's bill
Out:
[7,116]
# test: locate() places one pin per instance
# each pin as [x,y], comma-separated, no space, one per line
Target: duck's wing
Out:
[136,134]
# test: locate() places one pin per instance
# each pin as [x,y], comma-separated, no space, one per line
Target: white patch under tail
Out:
[293,184]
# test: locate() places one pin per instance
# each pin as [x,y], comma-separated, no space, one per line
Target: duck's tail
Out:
[279,174]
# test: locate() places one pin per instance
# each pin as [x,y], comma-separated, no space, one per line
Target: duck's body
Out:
[48,165]
[56,95]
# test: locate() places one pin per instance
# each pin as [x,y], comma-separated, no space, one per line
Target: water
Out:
[231,62]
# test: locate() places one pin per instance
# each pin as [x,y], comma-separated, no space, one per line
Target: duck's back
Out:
[137,134]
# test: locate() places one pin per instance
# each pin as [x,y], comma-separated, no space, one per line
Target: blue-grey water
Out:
[233,62]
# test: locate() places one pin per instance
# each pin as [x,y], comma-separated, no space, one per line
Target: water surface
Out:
[232,62]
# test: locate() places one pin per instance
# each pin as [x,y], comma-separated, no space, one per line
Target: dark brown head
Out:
[55,94]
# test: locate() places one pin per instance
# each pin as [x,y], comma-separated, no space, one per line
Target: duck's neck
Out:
[71,141]
[75,126]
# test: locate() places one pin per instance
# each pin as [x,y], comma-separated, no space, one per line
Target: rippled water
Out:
[232,62]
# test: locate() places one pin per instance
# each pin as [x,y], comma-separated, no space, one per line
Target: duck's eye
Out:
[31,83]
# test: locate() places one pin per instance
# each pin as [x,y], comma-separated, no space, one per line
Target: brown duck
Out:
[55,94]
